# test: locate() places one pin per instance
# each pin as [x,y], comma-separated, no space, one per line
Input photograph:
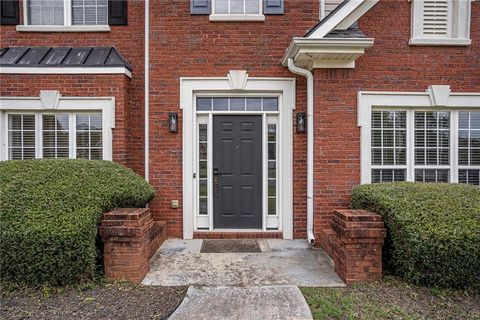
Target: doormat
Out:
[230,246]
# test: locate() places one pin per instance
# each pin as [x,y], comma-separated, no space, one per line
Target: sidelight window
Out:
[272,169]
[203,168]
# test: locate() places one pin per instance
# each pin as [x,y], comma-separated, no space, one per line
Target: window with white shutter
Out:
[424,145]
[74,135]
[67,12]
[440,22]
[89,12]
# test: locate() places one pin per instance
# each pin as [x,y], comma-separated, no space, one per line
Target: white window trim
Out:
[67,24]
[436,98]
[238,17]
[460,20]
[236,85]
[58,104]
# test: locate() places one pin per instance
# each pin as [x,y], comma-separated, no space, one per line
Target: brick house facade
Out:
[189,48]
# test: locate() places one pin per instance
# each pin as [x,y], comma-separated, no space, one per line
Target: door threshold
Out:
[237,230]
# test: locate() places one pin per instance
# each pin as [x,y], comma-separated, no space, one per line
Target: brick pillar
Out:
[360,235]
[130,238]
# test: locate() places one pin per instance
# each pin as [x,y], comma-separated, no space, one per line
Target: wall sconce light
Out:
[172,121]
[301,122]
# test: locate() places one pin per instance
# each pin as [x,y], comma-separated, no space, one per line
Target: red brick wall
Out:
[390,65]
[191,46]
[184,46]
[129,40]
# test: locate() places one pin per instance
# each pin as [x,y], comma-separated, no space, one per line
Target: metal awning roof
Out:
[62,57]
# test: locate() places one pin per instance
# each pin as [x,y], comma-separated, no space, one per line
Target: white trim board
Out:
[237,83]
[347,15]
[52,101]
[65,70]
[435,98]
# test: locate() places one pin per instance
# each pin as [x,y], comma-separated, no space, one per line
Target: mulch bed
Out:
[392,298]
[230,246]
[97,301]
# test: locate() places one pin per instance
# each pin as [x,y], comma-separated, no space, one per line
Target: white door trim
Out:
[284,88]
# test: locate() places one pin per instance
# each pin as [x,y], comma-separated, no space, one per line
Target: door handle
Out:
[216,181]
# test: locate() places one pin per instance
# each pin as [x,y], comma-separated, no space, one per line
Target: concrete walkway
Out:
[281,262]
[266,303]
[242,286]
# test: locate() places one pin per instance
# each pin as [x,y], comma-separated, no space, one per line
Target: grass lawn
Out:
[391,299]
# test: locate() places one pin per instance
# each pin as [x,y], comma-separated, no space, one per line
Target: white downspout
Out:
[147,90]
[307,74]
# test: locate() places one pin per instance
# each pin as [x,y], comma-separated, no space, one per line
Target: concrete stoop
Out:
[242,286]
[243,303]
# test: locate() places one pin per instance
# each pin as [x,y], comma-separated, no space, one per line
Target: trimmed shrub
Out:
[49,215]
[433,230]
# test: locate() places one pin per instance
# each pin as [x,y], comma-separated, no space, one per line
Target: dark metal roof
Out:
[321,22]
[81,57]
[352,32]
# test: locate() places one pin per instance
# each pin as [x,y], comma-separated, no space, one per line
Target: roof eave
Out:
[326,52]
[347,14]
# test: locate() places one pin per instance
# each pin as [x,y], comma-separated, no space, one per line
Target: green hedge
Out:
[433,230]
[49,214]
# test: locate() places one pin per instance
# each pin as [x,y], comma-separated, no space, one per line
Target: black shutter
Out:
[9,12]
[274,6]
[200,6]
[117,12]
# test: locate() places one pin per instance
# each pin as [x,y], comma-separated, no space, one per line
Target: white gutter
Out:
[307,74]
[147,90]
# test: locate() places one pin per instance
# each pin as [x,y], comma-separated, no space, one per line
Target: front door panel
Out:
[237,172]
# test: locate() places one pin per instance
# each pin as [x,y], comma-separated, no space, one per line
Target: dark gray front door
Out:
[237,172]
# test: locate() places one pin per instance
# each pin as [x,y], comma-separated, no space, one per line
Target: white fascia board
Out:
[331,46]
[344,17]
[67,70]
[356,14]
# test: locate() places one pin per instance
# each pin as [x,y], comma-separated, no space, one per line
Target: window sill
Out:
[439,42]
[237,17]
[25,28]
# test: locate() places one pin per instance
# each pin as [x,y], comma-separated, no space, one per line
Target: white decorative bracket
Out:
[50,98]
[238,79]
[439,95]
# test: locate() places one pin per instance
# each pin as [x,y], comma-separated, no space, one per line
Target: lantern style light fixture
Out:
[173,122]
[301,122]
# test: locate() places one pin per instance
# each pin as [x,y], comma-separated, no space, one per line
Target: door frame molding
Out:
[284,89]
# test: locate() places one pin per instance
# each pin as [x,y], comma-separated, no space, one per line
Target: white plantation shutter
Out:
[436,18]
[89,12]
